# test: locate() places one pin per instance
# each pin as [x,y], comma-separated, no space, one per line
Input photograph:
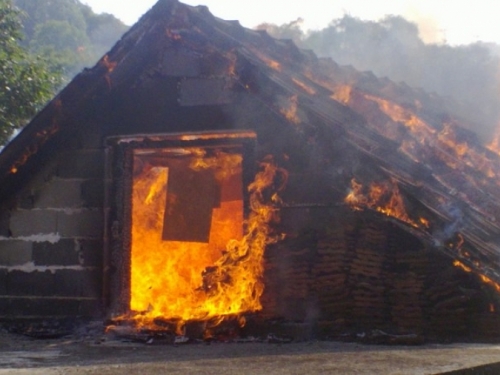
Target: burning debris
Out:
[484,279]
[40,138]
[186,280]
[289,110]
[383,197]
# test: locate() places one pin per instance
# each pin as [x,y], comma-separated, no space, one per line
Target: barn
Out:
[204,172]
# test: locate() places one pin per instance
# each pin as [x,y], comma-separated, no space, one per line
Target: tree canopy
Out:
[68,32]
[44,43]
[26,81]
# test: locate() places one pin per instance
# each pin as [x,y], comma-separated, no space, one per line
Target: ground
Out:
[106,355]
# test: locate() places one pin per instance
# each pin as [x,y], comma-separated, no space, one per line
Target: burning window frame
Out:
[118,198]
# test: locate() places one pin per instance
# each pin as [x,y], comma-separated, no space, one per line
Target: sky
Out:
[454,21]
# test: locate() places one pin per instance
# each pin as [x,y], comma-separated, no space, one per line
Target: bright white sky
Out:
[456,21]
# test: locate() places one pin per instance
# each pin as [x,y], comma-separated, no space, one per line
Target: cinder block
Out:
[92,193]
[32,222]
[179,63]
[90,252]
[82,164]
[86,223]
[4,223]
[3,282]
[85,135]
[62,253]
[198,91]
[73,283]
[91,308]
[5,309]
[15,252]
[90,136]
[43,307]
[59,193]
[26,200]
[20,283]
[214,64]
[69,252]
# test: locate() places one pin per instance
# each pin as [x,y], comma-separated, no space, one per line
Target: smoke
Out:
[429,30]
[453,227]
[467,76]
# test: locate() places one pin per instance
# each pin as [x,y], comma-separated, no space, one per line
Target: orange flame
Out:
[383,197]
[450,150]
[459,264]
[397,113]
[494,145]
[290,111]
[355,198]
[40,138]
[342,94]
[459,151]
[304,86]
[484,279]
[424,222]
[173,34]
[109,65]
[460,242]
[232,60]
[447,137]
[273,64]
[200,281]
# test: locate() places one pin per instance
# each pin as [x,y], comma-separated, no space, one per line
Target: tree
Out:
[68,32]
[40,11]
[26,81]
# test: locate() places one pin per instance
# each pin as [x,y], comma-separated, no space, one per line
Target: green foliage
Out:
[60,35]
[26,81]
[40,11]
[62,43]
[39,41]
[68,33]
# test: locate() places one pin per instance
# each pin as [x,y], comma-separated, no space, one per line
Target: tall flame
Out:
[199,281]
[494,145]
[235,279]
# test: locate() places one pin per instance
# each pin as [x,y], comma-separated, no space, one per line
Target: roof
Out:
[407,137]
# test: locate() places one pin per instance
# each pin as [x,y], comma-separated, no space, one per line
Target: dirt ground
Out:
[109,356]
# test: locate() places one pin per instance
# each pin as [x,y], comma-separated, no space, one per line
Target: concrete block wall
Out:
[51,241]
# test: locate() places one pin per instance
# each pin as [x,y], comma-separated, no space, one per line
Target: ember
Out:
[483,278]
[342,94]
[273,64]
[40,138]
[418,127]
[494,145]
[308,89]
[290,110]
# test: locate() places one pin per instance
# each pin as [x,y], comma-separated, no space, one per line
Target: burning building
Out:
[202,171]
